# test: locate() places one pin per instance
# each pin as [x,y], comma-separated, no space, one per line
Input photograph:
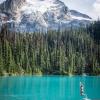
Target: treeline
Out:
[55,52]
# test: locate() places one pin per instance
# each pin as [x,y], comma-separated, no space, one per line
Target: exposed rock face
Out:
[34,15]
[78,14]
[11,5]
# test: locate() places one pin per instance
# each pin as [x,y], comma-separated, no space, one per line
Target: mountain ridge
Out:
[37,15]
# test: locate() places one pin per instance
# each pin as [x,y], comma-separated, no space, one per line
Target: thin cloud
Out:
[96,6]
[2,1]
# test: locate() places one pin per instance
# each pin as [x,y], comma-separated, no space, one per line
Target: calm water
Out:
[48,88]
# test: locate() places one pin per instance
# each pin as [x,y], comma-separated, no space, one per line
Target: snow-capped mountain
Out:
[37,15]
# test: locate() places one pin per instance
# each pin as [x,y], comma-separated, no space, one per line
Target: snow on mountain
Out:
[37,15]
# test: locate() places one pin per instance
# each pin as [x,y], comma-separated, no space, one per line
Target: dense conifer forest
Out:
[68,52]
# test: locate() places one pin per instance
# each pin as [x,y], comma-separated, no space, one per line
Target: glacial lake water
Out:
[49,88]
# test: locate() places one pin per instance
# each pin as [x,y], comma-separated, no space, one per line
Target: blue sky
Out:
[90,7]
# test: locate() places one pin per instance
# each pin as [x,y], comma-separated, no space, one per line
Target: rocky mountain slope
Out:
[40,15]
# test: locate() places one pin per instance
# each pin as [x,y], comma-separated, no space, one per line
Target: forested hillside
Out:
[73,51]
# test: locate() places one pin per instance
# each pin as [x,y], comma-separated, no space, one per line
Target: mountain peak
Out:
[11,5]
[34,15]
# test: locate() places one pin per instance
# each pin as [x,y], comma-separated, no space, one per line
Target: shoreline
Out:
[30,75]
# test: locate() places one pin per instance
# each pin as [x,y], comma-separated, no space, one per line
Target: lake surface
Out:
[49,88]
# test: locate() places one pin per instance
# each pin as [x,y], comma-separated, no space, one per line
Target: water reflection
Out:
[48,88]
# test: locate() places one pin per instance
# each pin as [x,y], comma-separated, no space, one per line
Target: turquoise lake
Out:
[49,88]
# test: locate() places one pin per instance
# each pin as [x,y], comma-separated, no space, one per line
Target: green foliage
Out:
[55,52]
